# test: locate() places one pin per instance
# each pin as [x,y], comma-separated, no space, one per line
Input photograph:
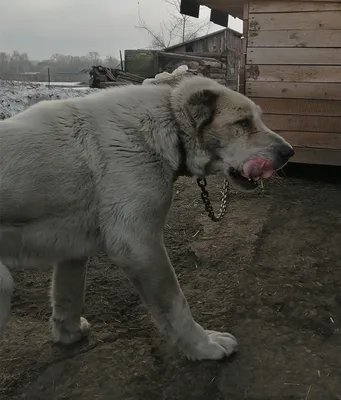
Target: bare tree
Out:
[94,57]
[178,29]
[111,62]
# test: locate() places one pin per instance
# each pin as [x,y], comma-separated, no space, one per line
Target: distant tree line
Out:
[63,67]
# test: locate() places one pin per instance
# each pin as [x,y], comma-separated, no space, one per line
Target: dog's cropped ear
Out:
[201,106]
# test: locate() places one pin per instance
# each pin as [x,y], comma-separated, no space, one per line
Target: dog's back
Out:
[38,159]
[62,162]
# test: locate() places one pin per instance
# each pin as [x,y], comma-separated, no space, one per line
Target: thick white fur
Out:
[87,174]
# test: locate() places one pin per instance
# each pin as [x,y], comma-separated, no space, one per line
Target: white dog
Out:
[93,173]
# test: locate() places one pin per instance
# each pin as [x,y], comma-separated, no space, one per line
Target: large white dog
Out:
[93,173]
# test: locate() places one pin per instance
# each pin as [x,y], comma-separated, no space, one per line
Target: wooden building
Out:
[220,51]
[224,45]
[218,42]
[292,69]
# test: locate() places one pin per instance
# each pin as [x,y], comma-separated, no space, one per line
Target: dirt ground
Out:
[270,273]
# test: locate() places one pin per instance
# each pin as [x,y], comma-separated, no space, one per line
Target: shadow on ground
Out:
[269,273]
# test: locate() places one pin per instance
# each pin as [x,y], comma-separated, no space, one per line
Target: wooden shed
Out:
[218,42]
[292,69]
[224,45]
[221,50]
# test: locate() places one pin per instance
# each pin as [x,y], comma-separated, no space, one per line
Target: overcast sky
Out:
[43,27]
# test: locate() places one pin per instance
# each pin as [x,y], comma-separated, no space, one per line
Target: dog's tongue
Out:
[258,168]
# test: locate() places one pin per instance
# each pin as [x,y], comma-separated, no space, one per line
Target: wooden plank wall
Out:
[293,71]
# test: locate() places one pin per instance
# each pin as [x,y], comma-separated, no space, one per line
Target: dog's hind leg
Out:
[67,298]
[6,291]
[151,272]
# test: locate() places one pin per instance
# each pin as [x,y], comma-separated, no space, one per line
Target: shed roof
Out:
[212,34]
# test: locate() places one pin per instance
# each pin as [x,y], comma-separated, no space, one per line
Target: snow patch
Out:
[17,96]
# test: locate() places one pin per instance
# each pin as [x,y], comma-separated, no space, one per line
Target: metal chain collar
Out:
[206,200]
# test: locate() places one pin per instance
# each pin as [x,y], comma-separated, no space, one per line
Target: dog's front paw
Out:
[213,346]
[68,333]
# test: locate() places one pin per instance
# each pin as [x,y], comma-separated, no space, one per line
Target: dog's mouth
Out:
[253,171]
[240,182]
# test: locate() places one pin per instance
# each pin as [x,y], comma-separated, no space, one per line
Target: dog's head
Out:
[223,132]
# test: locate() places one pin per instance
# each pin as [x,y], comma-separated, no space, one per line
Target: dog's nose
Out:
[286,152]
[283,154]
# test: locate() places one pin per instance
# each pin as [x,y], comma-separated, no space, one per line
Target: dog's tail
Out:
[6,291]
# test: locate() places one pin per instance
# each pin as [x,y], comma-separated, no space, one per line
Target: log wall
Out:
[293,71]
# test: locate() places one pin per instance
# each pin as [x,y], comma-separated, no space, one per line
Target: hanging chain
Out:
[207,202]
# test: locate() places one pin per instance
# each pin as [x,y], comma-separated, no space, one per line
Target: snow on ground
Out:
[16,96]
[37,83]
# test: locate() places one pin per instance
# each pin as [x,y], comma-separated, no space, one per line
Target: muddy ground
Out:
[270,273]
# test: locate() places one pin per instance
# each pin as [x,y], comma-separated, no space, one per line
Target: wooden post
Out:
[226,59]
[242,64]
[48,77]
[122,67]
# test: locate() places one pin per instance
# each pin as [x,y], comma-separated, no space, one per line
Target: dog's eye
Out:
[245,123]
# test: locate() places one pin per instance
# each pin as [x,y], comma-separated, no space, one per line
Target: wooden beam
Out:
[302,123]
[331,108]
[242,64]
[185,56]
[317,156]
[293,73]
[296,21]
[295,56]
[296,6]
[235,7]
[296,38]
[293,90]
[312,139]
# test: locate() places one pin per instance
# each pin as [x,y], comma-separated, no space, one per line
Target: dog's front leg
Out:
[6,290]
[153,276]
